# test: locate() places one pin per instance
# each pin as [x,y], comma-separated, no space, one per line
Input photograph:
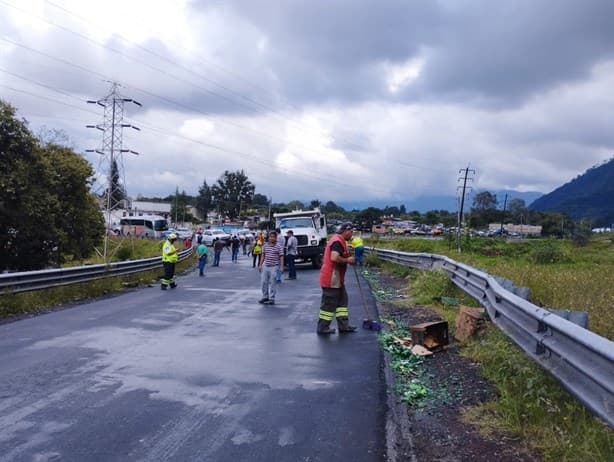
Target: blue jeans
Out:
[235,254]
[358,253]
[291,266]
[216,257]
[202,263]
[278,273]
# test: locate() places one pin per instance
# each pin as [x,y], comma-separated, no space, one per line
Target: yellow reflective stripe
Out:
[326,316]
[341,311]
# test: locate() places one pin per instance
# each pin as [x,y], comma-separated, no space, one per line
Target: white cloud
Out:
[400,76]
[327,108]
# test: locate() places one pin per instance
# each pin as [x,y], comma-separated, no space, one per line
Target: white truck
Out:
[309,228]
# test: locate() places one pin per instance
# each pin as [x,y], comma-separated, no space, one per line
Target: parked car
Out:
[498,233]
[168,232]
[212,235]
[246,233]
[184,233]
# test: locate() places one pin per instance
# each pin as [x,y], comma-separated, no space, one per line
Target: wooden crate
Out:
[432,335]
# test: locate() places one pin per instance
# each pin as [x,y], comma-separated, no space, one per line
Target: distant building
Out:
[150,208]
[524,230]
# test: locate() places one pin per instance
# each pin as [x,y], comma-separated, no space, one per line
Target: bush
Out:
[124,253]
[429,285]
[548,252]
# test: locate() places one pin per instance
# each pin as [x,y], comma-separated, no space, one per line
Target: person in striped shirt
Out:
[272,256]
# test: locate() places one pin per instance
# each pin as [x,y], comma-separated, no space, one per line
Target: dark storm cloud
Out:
[491,53]
[505,52]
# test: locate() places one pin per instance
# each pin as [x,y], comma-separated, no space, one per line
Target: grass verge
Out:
[41,300]
[530,403]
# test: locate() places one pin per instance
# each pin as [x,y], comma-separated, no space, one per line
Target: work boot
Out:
[344,325]
[347,329]
[173,285]
[163,287]
[326,331]
[269,302]
[263,300]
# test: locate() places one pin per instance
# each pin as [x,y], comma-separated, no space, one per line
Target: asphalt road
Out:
[199,373]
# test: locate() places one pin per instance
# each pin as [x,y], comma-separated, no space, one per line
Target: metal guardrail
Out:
[45,279]
[581,360]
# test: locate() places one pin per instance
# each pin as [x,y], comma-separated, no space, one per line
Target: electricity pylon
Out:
[459,219]
[111,165]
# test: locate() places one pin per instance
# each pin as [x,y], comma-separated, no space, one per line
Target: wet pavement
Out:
[199,373]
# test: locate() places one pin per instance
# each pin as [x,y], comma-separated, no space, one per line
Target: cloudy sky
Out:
[329,99]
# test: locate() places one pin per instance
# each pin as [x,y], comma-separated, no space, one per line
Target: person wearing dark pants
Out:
[332,281]
[169,258]
[218,246]
[291,251]
[203,254]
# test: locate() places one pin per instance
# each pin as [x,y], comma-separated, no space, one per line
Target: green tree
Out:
[314,204]
[368,217]
[77,218]
[260,200]
[47,213]
[484,200]
[204,200]
[179,208]
[484,209]
[231,190]
[331,208]
[118,192]
[516,209]
[392,211]
[296,205]
[432,217]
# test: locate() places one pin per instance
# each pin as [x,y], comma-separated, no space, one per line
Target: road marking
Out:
[206,289]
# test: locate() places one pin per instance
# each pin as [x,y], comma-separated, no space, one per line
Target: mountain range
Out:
[589,196]
[424,204]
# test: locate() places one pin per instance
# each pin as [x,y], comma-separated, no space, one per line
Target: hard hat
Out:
[172,237]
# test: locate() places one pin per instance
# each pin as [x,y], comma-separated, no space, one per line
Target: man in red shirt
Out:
[332,280]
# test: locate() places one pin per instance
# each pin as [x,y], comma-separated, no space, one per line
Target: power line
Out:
[153,128]
[217,84]
[45,98]
[153,53]
[168,100]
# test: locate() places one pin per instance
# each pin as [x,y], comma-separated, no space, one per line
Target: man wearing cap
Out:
[332,280]
[169,258]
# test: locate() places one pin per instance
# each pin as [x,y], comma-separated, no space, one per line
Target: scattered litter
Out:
[419,350]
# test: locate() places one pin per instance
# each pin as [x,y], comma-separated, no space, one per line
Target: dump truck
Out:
[309,228]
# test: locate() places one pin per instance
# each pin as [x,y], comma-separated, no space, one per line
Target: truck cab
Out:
[309,228]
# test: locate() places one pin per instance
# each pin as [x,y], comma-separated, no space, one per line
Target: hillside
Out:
[590,196]
[425,203]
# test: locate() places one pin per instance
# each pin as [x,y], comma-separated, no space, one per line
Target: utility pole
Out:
[459,218]
[112,148]
[176,204]
[503,216]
